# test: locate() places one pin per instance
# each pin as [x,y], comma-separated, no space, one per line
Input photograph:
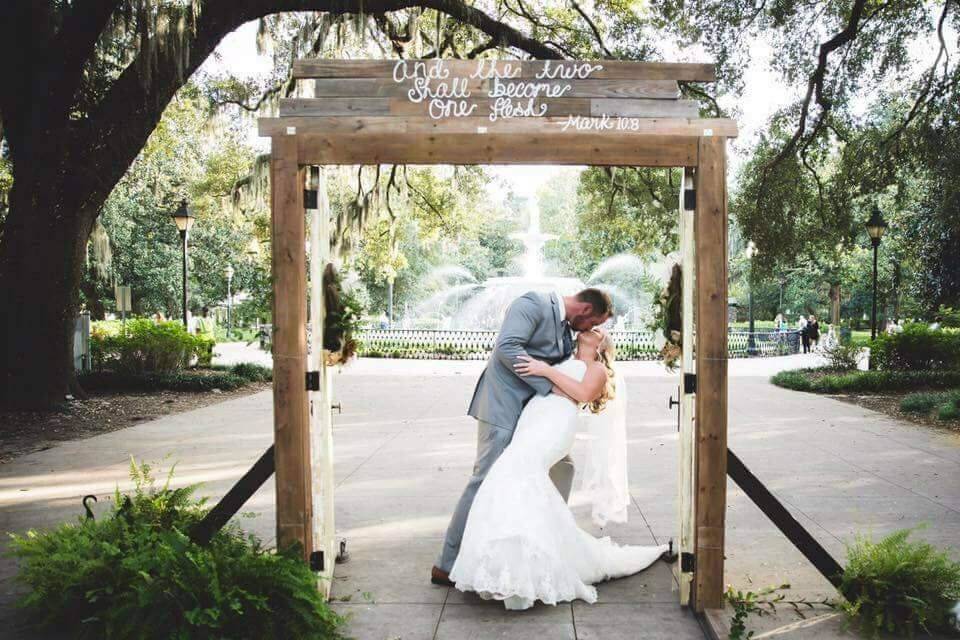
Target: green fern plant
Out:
[136,574]
[898,586]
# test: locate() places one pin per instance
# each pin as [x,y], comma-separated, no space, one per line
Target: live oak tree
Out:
[875,118]
[84,84]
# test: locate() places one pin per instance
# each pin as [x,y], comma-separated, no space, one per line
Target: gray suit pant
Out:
[491,442]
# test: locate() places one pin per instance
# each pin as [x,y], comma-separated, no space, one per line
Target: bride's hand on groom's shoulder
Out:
[531,366]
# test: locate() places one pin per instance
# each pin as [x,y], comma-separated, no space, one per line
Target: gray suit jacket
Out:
[531,326]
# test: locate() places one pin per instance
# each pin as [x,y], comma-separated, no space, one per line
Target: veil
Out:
[605,468]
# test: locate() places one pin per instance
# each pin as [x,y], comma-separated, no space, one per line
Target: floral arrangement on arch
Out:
[668,319]
[343,314]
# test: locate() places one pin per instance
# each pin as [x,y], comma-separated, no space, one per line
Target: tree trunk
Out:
[41,262]
[835,303]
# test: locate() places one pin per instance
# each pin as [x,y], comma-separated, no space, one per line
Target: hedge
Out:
[917,348]
[143,345]
[181,381]
[821,380]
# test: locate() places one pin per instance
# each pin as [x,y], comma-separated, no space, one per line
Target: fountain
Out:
[463,304]
[486,302]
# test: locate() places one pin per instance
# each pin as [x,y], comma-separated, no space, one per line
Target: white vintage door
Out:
[321,423]
[687,435]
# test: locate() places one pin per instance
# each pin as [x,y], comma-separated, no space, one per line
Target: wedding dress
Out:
[521,543]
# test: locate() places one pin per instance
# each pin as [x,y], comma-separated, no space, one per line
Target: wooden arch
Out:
[500,112]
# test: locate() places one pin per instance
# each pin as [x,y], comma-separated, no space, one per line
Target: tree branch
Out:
[689,87]
[72,47]
[593,27]
[815,84]
[921,100]
[118,127]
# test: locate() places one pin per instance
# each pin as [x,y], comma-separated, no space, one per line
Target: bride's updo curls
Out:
[605,355]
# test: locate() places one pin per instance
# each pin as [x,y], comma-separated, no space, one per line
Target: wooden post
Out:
[711,362]
[687,444]
[321,426]
[290,411]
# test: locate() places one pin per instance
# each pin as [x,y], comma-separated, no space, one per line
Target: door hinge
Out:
[689,199]
[316,561]
[313,381]
[343,555]
[688,562]
[689,383]
[309,198]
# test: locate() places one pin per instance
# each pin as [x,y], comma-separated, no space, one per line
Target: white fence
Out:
[477,345]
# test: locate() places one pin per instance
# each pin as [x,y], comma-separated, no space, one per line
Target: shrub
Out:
[898,586]
[916,348]
[252,372]
[826,380]
[144,346]
[196,380]
[843,356]
[948,316]
[136,574]
[921,402]
[949,411]
[796,380]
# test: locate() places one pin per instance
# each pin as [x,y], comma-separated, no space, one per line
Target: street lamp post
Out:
[751,338]
[228,272]
[390,302]
[876,226]
[184,220]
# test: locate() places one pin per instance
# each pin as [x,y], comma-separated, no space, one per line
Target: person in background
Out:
[158,317]
[830,340]
[207,329]
[813,330]
[778,322]
[804,336]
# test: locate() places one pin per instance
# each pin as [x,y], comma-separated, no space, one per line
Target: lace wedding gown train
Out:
[521,543]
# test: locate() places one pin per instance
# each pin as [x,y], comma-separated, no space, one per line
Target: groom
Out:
[537,324]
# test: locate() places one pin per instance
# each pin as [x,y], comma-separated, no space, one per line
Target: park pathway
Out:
[404,449]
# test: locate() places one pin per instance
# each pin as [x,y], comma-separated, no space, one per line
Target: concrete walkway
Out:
[404,450]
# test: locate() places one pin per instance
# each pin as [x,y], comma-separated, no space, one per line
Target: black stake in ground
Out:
[228,507]
[778,514]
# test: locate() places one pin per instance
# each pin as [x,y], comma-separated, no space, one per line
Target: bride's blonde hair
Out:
[605,355]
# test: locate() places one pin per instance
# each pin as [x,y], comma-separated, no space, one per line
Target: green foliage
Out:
[843,357]
[252,372]
[947,404]
[823,380]
[921,402]
[143,346]
[811,178]
[898,586]
[627,210]
[188,380]
[135,573]
[917,347]
[185,157]
[949,410]
[761,603]
[948,317]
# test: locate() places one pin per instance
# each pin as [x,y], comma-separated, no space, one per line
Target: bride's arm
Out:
[582,391]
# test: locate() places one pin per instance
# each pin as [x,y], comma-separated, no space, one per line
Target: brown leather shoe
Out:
[440,577]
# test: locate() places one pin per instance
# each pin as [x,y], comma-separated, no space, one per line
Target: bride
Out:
[521,543]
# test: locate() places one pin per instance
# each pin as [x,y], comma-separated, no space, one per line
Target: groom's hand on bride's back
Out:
[528,366]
